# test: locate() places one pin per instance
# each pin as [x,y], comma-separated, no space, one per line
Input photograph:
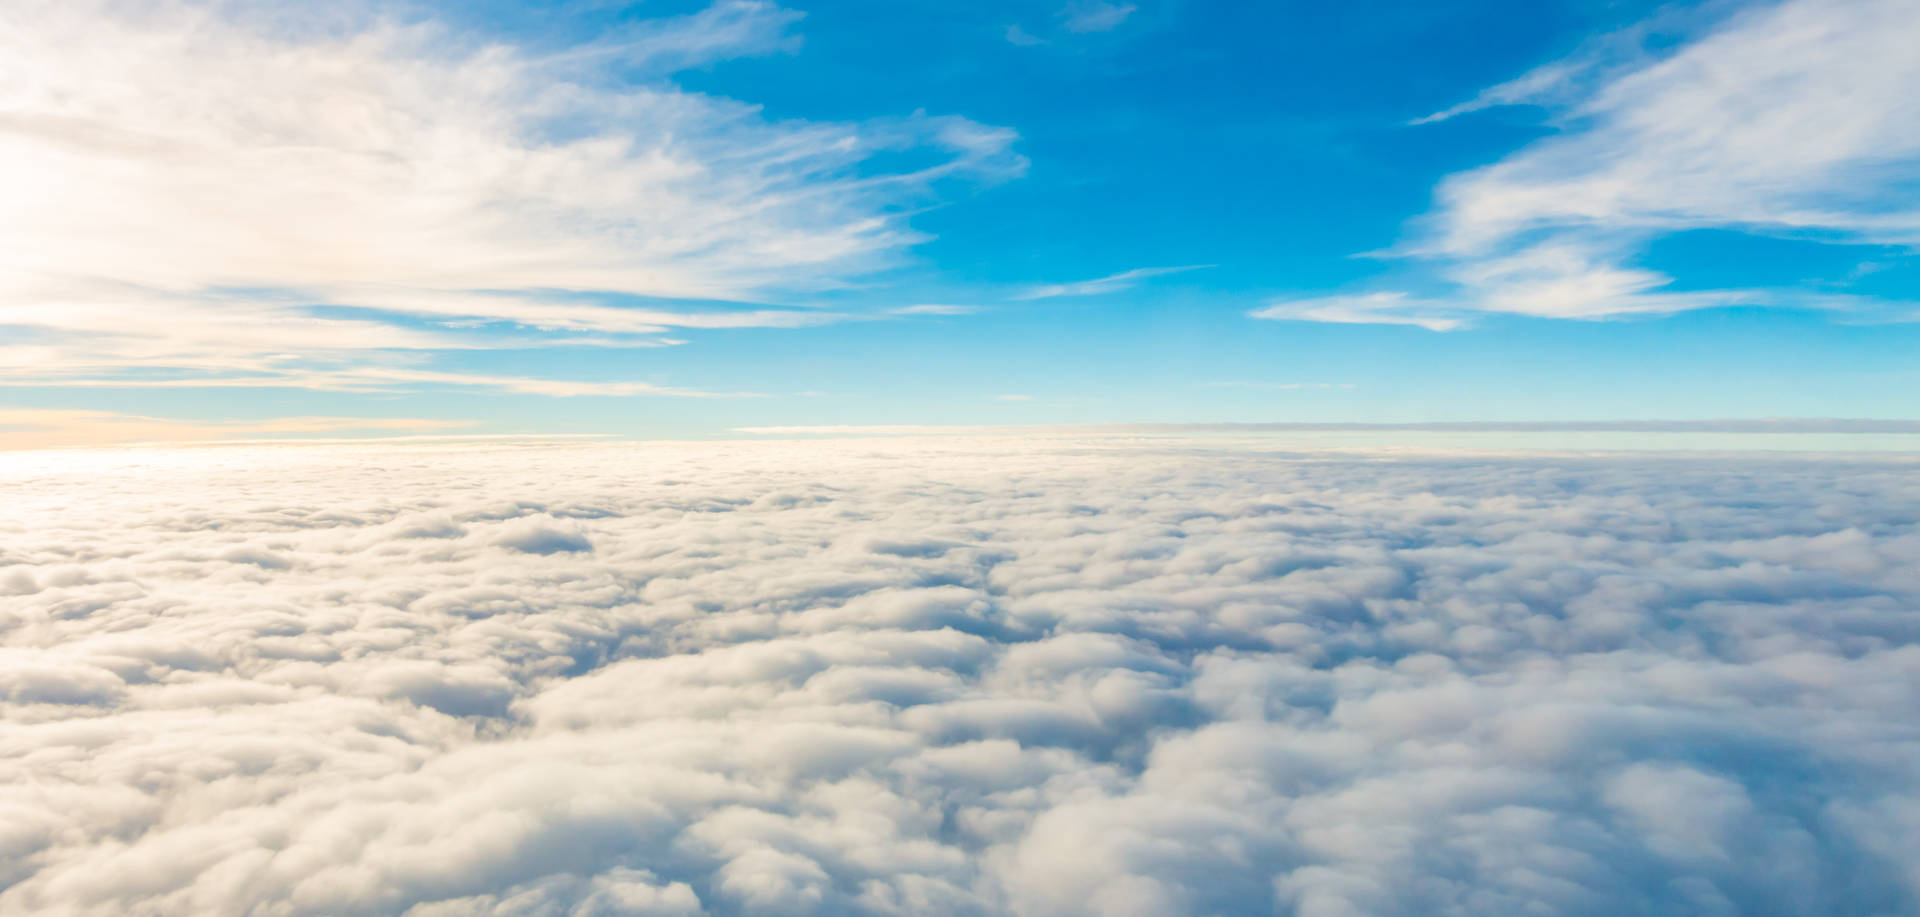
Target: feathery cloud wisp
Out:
[934,309]
[1364,309]
[1082,16]
[187,190]
[1112,283]
[1793,119]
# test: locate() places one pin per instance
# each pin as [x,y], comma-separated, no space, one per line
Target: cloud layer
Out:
[990,677]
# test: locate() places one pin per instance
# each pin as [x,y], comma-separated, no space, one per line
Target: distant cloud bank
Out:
[991,677]
[1831,425]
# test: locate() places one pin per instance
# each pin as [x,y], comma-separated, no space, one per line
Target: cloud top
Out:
[991,677]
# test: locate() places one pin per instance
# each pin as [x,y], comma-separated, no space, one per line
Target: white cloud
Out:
[381,379]
[1095,15]
[1112,283]
[182,186]
[935,309]
[983,677]
[1366,309]
[1529,87]
[1791,119]
[1023,38]
[1788,118]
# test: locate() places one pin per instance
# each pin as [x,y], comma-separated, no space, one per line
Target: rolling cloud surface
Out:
[990,677]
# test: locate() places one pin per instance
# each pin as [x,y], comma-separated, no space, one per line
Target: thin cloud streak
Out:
[1365,309]
[1084,16]
[934,309]
[370,379]
[1112,283]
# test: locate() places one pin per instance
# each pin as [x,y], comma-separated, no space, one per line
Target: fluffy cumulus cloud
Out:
[991,677]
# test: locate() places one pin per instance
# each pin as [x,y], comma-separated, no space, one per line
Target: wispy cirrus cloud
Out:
[371,378]
[1095,15]
[1112,283]
[191,190]
[1793,119]
[1385,308]
[1022,38]
[1787,118]
[934,309]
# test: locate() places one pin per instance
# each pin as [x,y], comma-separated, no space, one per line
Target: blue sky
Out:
[676,219]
